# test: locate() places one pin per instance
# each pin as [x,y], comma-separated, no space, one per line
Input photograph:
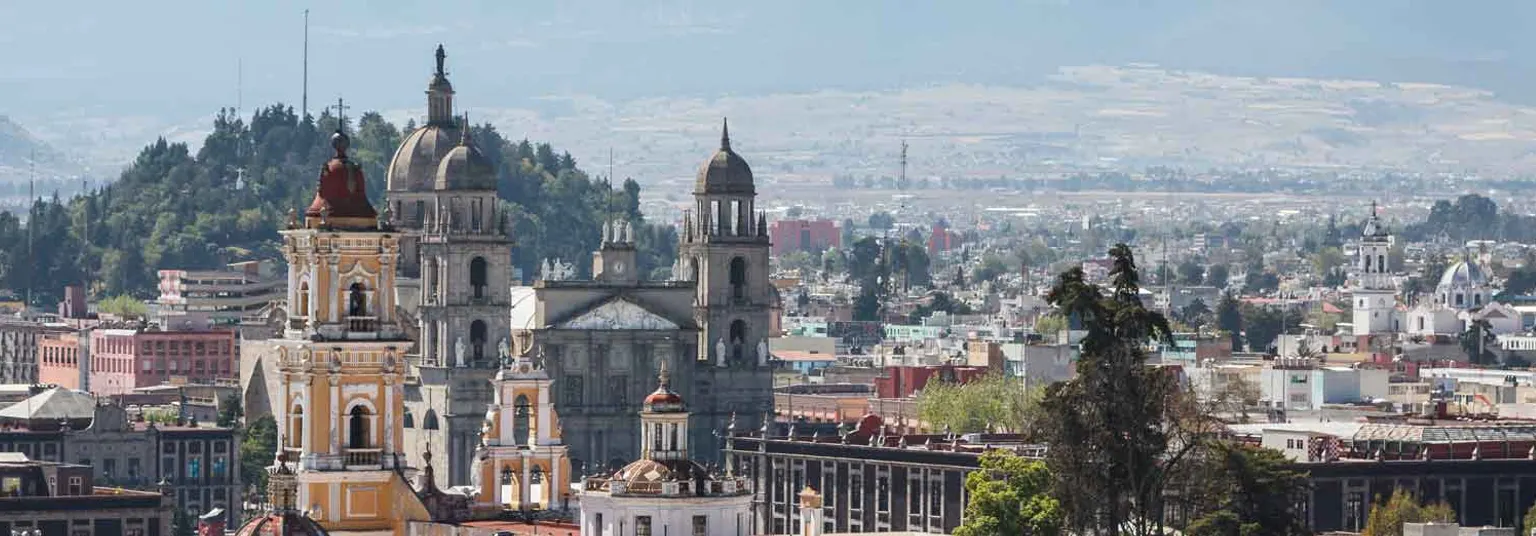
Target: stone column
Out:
[389,414]
[523,487]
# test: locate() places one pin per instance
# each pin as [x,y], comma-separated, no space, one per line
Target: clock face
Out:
[618,267]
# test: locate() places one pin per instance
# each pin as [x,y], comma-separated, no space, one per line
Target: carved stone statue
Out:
[503,352]
[720,352]
[762,352]
[629,233]
[458,351]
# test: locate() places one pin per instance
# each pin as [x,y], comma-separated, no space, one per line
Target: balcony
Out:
[362,324]
[364,458]
[297,322]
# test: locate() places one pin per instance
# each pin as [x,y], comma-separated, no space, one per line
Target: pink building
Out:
[804,235]
[58,358]
[941,239]
[125,359]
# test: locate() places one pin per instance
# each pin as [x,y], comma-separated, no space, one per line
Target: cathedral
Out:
[598,340]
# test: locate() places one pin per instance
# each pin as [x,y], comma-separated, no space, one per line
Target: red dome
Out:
[663,396]
[281,524]
[343,192]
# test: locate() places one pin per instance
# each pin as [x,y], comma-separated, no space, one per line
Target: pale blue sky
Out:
[177,59]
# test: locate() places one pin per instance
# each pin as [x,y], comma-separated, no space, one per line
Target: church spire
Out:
[725,134]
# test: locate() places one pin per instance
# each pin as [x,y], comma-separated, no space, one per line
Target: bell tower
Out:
[1375,297]
[724,251]
[340,359]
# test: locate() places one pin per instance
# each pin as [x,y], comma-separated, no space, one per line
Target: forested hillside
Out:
[174,209]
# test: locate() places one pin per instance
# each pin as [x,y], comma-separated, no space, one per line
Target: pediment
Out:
[619,314]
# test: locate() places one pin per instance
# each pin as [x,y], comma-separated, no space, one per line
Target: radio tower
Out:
[304,98]
[901,177]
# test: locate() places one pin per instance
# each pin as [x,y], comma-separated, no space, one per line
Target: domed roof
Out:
[725,172]
[417,160]
[343,192]
[287,523]
[464,168]
[1464,273]
[644,471]
[663,400]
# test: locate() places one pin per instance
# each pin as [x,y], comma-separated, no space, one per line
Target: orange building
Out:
[59,359]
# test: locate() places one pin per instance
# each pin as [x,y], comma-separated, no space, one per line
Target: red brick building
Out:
[903,382]
[941,239]
[812,236]
[125,359]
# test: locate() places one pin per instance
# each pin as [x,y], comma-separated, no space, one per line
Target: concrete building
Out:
[19,350]
[198,462]
[56,499]
[126,359]
[870,481]
[240,292]
[1297,384]
[63,359]
[810,236]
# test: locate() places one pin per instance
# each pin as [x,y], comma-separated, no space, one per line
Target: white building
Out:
[1464,286]
[664,492]
[1298,385]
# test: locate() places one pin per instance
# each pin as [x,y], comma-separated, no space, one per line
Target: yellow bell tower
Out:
[340,360]
[521,464]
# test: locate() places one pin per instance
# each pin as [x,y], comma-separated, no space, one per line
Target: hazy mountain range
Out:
[124,69]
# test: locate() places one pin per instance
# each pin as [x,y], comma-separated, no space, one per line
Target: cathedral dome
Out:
[465,168]
[281,524]
[343,191]
[417,160]
[725,172]
[664,400]
[1464,273]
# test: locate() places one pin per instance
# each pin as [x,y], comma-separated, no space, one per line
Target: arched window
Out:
[357,300]
[477,339]
[421,212]
[296,426]
[430,421]
[1381,264]
[738,278]
[303,300]
[738,339]
[409,420]
[693,270]
[358,427]
[520,416]
[673,437]
[477,276]
[656,438]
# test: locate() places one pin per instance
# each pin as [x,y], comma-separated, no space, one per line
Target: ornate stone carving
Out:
[619,314]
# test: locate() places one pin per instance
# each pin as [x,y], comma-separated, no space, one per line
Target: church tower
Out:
[341,359]
[724,251]
[457,246]
[1375,297]
[521,463]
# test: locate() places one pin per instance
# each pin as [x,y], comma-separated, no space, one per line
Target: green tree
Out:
[881,220]
[1116,413]
[1191,273]
[1529,521]
[1245,490]
[1010,496]
[991,267]
[1195,312]
[994,403]
[1387,519]
[1479,343]
[1263,325]
[1217,275]
[1049,325]
[230,411]
[1229,318]
[257,450]
[123,305]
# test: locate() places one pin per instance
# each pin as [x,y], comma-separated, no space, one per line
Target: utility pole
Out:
[901,177]
[31,222]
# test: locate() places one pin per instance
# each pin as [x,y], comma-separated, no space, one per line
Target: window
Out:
[421,212]
[75,485]
[219,447]
[522,412]
[573,389]
[477,275]
[133,467]
[194,468]
[618,386]
[296,426]
[357,300]
[700,526]
[477,339]
[738,340]
[642,525]
[358,424]
[474,215]
[738,278]
[109,467]
[149,366]
[410,420]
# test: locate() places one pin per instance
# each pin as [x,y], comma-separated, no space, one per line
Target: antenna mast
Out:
[31,223]
[901,178]
[304,99]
